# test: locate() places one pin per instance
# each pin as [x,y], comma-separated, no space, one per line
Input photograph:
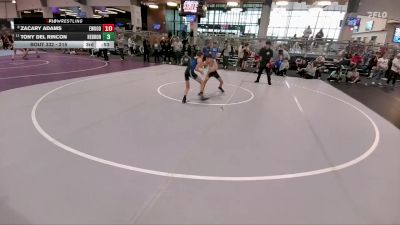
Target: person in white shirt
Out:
[246,53]
[380,70]
[121,45]
[240,55]
[310,71]
[177,47]
[307,32]
[226,53]
[131,43]
[394,73]
[319,64]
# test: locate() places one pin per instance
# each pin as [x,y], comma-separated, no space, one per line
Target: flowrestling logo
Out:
[190,6]
[382,15]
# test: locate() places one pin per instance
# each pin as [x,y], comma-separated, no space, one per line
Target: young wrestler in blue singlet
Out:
[194,64]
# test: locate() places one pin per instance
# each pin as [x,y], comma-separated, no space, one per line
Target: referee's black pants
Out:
[261,70]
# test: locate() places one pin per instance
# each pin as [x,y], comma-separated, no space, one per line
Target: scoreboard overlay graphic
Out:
[64,33]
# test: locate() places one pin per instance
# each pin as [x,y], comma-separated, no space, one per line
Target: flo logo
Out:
[383,14]
[190,6]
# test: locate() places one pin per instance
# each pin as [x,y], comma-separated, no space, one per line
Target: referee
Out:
[266,53]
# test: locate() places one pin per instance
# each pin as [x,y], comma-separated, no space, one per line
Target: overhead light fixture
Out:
[13,1]
[172,4]
[111,12]
[153,6]
[232,4]
[282,3]
[236,9]
[324,3]
[117,10]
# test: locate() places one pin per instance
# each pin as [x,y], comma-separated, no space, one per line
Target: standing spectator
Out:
[178,46]
[104,51]
[189,51]
[168,50]
[157,52]
[381,68]
[367,56]
[318,37]
[184,45]
[246,53]
[207,49]
[390,63]
[394,73]
[131,44]
[146,50]
[121,45]
[185,59]
[240,54]
[101,51]
[307,32]
[214,50]
[163,45]
[266,54]
[225,54]
[372,63]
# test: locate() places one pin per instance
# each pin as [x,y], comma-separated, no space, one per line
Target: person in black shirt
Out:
[146,48]
[168,51]
[266,54]
[163,45]
[372,63]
